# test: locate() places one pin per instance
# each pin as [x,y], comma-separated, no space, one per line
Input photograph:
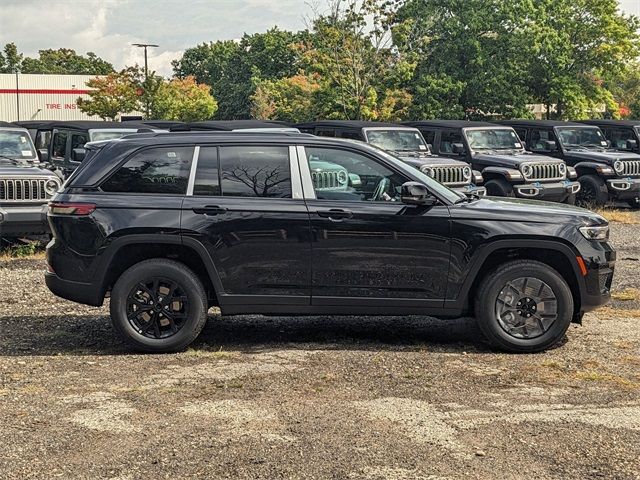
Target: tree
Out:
[66,61]
[290,99]
[113,94]
[10,59]
[184,100]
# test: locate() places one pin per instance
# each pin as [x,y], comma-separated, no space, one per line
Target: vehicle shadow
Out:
[94,335]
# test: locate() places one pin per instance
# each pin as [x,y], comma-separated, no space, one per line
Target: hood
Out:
[511,159]
[23,170]
[602,156]
[432,161]
[532,211]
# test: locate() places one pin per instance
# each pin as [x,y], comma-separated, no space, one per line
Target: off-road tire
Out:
[491,287]
[593,192]
[499,187]
[189,283]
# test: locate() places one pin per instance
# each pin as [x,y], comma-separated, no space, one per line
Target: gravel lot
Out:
[319,397]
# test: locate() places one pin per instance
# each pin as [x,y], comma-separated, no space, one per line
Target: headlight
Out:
[527,170]
[342,176]
[562,168]
[51,187]
[467,172]
[595,233]
[427,171]
[618,166]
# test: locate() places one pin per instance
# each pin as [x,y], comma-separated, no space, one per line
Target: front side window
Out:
[163,170]
[345,175]
[448,138]
[620,136]
[78,140]
[539,137]
[16,144]
[255,171]
[397,140]
[59,147]
[581,137]
[493,139]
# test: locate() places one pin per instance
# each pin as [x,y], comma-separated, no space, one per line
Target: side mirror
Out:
[77,154]
[549,146]
[415,193]
[458,148]
[43,154]
[632,144]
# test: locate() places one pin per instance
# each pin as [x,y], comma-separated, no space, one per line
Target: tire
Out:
[571,199]
[159,323]
[492,297]
[593,191]
[499,187]
[634,203]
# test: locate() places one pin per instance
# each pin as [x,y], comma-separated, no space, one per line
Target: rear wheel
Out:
[158,305]
[499,187]
[593,191]
[524,306]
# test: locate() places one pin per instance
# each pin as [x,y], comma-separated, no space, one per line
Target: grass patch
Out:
[23,250]
[626,295]
[593,376]
[611,312]
[619,216]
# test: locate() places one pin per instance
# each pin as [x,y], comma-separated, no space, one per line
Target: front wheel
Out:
[593,191]
[158,305]
[524,306]
[499,187]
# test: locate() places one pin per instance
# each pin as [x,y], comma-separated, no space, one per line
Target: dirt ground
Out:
[319,397]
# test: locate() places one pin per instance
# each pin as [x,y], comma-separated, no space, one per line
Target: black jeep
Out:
[496,151]
[170,224]
[407,144]
[623,134]
[25,187]
[604,173]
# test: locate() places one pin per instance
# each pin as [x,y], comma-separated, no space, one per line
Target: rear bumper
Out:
[23,220]
[86,293]
[624,188]
[547,191]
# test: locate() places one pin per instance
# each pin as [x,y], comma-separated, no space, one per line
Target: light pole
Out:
[146,70]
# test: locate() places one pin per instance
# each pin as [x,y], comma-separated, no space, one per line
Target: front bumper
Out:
[23,220]
[624,188]
[471,189]
[547,191]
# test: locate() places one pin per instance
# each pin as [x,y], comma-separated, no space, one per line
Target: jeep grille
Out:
[450,175]
[631,168]
[327,180]
[546,171]
[23,190]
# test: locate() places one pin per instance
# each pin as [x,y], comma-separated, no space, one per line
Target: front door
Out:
[246,208]
[368,248]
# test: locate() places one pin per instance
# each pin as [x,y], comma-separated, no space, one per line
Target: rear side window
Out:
[255,171]
[59,147]
[154,170]
[78,140]
[207,182]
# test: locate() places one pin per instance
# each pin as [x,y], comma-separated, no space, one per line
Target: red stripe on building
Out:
[44,91]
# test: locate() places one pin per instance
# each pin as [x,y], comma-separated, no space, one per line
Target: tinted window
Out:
[255,171]
[522,133]
[429,136]
[538,137]
[43,137]
[78,140]
[619,137]
[326,132]
[448,138]
[345,175]
[352,134]
[207,181]
[59,147]
[154,170]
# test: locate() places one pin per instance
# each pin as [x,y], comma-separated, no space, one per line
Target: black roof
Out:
[345,124]
[7,124]
[612,123]
[448,123]
[92,124]
[228,125]
[539,123]
[39,124]
[164,124]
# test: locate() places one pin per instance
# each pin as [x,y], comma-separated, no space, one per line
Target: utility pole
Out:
[146,70]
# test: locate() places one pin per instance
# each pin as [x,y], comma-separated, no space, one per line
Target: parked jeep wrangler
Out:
[170,224]
[496,151]
[25,187]
[623,134]
[407,144]
[604,173]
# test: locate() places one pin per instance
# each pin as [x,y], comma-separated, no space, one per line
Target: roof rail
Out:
[216,132]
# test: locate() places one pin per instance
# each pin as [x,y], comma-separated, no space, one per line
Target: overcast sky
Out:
[109,27]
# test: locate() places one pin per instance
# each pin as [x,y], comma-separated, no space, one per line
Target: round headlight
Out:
[51,187]
[618,166]
[428,171]
[342,176]
[527,170]
[467,172]
[562,168]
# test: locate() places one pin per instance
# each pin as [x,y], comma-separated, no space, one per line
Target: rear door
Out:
[245,207]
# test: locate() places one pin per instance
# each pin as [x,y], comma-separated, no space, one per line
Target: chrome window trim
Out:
[297,192]
[192,172]
[308,191]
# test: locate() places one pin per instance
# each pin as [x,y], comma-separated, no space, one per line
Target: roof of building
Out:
[345,124]
[228,125]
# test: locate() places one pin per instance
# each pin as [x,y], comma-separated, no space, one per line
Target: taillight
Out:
[78,209]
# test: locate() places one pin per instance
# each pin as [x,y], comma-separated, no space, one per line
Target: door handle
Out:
[335,213]
[210,210]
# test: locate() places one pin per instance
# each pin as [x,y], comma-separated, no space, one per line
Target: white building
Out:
[42,97]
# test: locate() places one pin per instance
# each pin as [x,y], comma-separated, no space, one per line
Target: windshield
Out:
[581,137]
[493,139]
[397,140]
[16,144]
[410,171]
[98,135]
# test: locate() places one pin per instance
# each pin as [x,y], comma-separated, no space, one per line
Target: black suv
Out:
[408,145]
[496,151]
[604,173]
[171,224]
[623,134]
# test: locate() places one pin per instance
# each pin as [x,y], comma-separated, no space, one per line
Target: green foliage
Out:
[10,59]
[292,99]
[184,100]
[66,61]
[113,94]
